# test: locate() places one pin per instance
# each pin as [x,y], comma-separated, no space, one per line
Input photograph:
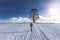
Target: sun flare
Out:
[54,11]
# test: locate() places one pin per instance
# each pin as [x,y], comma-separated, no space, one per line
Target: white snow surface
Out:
[21,31]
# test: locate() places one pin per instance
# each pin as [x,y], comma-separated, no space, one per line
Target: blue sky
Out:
[20,8]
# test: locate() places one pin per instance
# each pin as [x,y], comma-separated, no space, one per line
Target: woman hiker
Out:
[31,25]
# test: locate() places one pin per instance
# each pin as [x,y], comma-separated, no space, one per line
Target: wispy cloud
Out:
[40,20]
[45,20]
[19,19]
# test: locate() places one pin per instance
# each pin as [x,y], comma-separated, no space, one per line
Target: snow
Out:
[21,31]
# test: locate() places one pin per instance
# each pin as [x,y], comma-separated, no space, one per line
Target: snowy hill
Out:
[21,31]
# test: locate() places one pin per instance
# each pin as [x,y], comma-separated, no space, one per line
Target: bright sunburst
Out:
[53,11]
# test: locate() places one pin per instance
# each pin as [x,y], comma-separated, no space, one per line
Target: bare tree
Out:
[34,15]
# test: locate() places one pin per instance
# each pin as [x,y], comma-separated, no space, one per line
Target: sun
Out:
[53,11]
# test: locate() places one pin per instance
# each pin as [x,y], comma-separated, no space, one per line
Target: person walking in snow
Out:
[31,26]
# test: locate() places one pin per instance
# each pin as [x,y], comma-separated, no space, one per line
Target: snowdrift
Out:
[21,31]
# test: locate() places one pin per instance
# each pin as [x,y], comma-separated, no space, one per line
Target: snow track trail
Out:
[39,32]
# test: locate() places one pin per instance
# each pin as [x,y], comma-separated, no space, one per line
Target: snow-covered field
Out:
[21,31]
